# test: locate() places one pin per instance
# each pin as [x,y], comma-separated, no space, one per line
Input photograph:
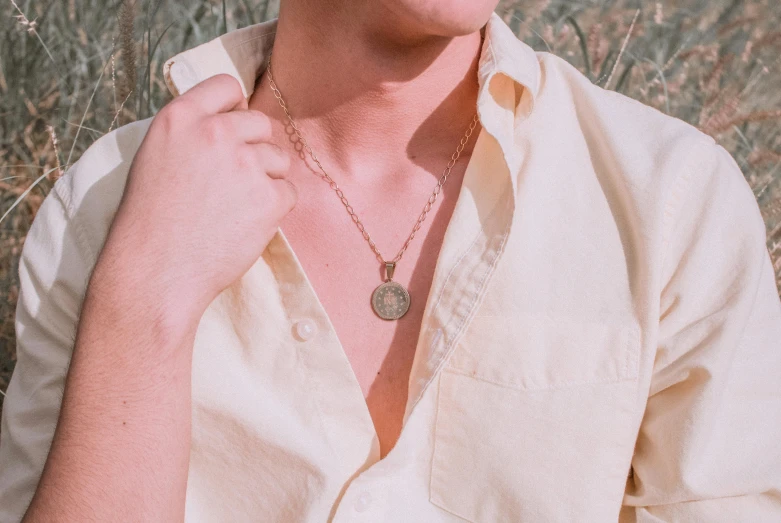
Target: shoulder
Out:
[628,142]
[92,187]
[103,167]
[621,123]
[653,166]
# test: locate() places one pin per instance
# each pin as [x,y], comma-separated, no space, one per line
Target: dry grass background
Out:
[72,70]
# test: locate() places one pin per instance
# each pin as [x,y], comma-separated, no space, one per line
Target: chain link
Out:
[324,175]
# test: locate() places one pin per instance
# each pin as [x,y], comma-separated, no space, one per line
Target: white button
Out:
[363,501]
[306,329]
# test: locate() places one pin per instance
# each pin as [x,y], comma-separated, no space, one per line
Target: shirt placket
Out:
[473,244]
[336,394]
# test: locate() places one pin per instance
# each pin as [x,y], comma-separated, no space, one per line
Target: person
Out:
[381,261]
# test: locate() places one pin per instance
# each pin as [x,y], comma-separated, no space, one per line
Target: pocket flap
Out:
[530,352]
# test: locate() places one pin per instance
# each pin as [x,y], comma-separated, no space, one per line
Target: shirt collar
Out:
[508,74]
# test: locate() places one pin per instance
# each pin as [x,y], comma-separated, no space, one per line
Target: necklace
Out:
[390,300]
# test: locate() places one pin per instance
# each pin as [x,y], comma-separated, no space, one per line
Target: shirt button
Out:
[306,329]
[363,501]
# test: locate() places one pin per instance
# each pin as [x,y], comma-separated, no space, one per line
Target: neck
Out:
[367,93]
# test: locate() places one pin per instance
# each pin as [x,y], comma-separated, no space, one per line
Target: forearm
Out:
[203,197]
[122,443]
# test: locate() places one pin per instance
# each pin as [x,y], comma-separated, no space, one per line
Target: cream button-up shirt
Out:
[602,339]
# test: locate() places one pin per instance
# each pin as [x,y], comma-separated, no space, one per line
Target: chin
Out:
[444,17]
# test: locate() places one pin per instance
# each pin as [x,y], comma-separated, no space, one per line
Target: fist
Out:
[205,194]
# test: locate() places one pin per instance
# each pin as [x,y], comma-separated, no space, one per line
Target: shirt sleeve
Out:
[708,446]
[53,274]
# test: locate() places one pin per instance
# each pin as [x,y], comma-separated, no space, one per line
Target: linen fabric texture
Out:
[602,339]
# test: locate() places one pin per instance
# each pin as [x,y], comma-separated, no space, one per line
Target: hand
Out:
[204,196]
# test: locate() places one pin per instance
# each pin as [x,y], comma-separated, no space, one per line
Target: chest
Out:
[543,377]
[344,271]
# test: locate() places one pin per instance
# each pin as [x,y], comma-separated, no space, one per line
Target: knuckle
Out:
[229,84]
[162,123]
[278,159]
[245,159]
[180,106]
[214,131]
[170,115]
[261,119]
[280,166]
[226,79]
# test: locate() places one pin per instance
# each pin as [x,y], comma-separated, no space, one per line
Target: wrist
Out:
[131,296]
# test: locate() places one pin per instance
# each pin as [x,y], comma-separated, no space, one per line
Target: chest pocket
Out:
[535,420]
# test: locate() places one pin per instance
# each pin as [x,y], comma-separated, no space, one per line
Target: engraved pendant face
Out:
[390,300]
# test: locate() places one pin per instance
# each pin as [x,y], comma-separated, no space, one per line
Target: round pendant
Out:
[390,300]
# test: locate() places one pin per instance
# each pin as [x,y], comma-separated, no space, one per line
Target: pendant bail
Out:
[390,267]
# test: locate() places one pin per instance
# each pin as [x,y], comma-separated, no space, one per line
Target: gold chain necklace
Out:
[390,300]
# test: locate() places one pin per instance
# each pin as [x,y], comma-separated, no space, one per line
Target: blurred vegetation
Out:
[71,71]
